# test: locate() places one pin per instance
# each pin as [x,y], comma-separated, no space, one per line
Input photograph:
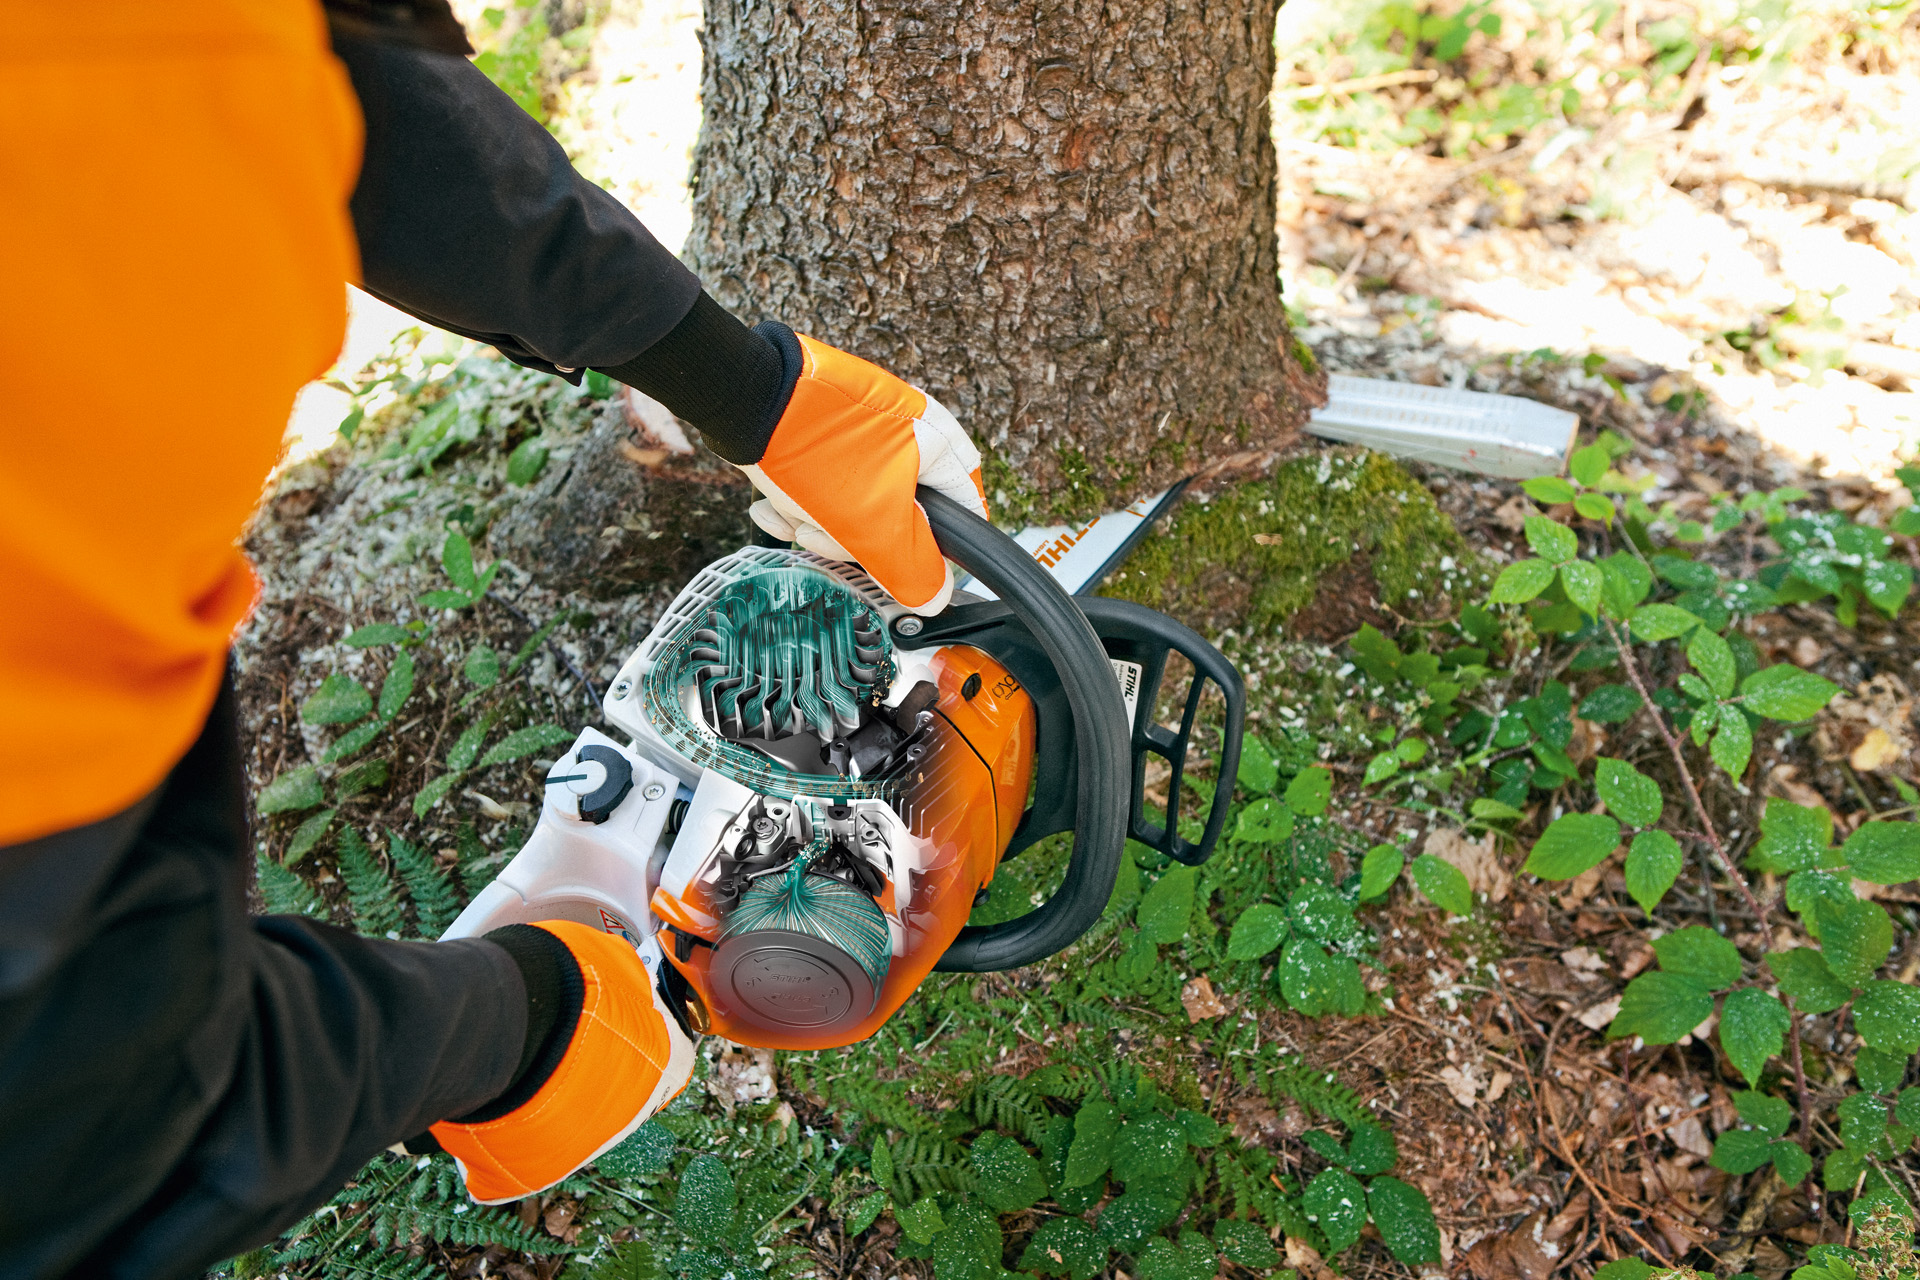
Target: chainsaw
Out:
[816,786]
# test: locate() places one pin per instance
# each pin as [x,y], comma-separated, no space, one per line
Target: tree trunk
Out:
[1058,218]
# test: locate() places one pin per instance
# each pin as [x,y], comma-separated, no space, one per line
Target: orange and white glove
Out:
[840,469]
[622,1058]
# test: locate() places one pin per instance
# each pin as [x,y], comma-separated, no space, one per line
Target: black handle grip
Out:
[1101,743]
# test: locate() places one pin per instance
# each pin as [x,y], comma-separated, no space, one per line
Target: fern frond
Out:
[923,1164]
[1319,1091]
[434,902]
[633,1260]
[283,891]
[370,891]
[1010,1104]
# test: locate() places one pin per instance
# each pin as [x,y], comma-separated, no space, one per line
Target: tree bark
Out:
[1058,218]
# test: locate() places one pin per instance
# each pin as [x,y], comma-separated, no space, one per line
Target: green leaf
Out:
[1572,844]
[377,633]
[1319,912]
[921,1220]
[1411,750]
[291,792]
[524,742]
[1588,464]
[644,1153]
[864,1212]
[527,461]
[1855,938]
[1733,744]
[445,599]
[1753,1027]
[1376,655]
[1257,773]
[1548,490]
[1863,1120]
[482,667]
[703,1205]
[308,834]
[1490,810]
[436,791]
[970,1246]
[1192,1259]
[881,1160]
[1378,870]
[1653,623]
[1654,860]
[1877,1070]
[1660,1007]
[1887,584]
[1623,1269]
[1551,540]
[1628,582]
[1443,884]
[1887,1016]
[1785,692]
[338,700]
[456,557]
[1265,821]
[1243,1243]
[1065,1246]
[1153,1146]
[1316,983]
[1806,890]
[1884,852]
[1791,1162]
[1632,796]
[1092,1150]
[1337,1203]
[1201,1130]
[353,741]
[1595,506]
[1128,1220]
[1712,657]
[1906,1111]
[1372,1150]
[1741,1151]
[1404,1217]
[1772,1116]
[1310,791]
[1699,953]
[1167,906]
[1521,581]
[1380,768]
[1792,837]
[1610,704]
[1583,584]
[466,747]
[364,776]
[1007,1176]
[397,687]
[1260,928]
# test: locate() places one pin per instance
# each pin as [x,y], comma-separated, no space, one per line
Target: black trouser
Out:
[180,1082]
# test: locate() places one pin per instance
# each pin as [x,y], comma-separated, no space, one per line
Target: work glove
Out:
[621,1057]
[839,472]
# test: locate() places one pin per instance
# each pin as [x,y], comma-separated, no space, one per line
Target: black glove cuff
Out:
[730,382]
[555,992]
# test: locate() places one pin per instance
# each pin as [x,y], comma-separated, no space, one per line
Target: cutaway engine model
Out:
[819,785]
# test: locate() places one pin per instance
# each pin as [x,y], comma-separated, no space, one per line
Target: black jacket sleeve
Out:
[470,216]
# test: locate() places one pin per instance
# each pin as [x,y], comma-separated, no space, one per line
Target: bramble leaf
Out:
[1310,791]
[1383,766]
[1265,821]
[1855,937]
[1712,657]
[1257,773]
[1167,906]
[1583,584]
[1654,860]
[1699,953]
[1551,540]
[1548,490]
[1521,581]
[1378,870]
[1337,1203]
[1443,884]
[1733,744]
[1887,1016]
[1660,1007]
[1785,692]
[1093,1132]
[1260,928]
[1573,843]
[1753,1027]
[1792,837]
[1741,1151]
[1772,1116]
[1656,622]
[339,700]
[1884,852]
[291,792]
[1610,704]
[1404,1217]
[1007,1176]
[1588,465]
[1631,795]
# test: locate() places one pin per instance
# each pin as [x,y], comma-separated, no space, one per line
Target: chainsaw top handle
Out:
[1100,741]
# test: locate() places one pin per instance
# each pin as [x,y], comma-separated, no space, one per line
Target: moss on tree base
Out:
[1299,550]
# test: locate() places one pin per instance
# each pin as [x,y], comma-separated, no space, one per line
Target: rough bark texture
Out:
[1056,217]
[635,505]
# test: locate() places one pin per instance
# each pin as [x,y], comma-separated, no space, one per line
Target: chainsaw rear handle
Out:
[1100,741]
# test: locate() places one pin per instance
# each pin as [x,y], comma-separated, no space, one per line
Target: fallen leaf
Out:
[1460,1084]
[1477,860]
[1782,781]
[1597,1017]
[742,1076]
[1807,651]
[1498,1086]
[1581,887]
[1512,514]
[1200,1002]
[1582,960]
[1691,1137]
[1876,751]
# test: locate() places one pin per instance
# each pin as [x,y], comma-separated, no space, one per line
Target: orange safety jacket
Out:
[178,218]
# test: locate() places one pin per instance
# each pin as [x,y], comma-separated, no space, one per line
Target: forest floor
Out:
[1721,265]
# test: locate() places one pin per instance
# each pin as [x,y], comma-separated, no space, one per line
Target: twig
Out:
[1806,1096]
[593,695]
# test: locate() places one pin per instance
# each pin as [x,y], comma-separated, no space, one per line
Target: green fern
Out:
[1319,1092]
[370,891]
[1007,1103]
[434,903]
[923,1165]
[283,891]
[633,1260]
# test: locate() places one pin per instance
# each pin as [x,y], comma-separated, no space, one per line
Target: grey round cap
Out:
[787,981]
